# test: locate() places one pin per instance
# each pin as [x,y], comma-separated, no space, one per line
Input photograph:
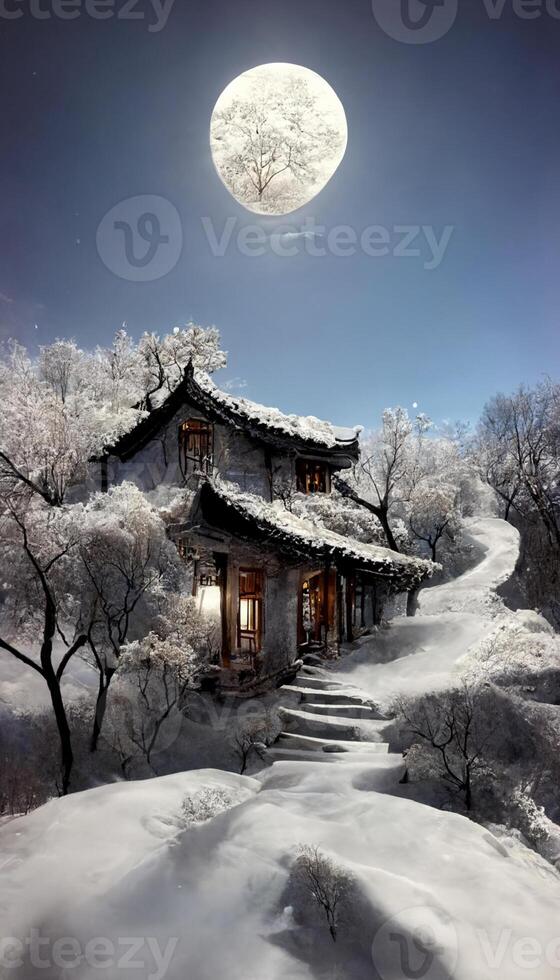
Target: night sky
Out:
[461,132]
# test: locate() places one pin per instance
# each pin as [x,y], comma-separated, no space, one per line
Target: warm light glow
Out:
[209,601]
[249,614]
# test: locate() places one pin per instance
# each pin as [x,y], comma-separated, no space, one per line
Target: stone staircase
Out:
[327,722]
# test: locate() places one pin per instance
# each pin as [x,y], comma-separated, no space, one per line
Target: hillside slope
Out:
[435,895]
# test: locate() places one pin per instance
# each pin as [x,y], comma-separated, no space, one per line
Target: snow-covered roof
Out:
[306,428]
[244,515]
[267,425]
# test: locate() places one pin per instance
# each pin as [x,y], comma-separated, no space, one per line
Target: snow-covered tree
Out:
[414,480]
[383,476]
[517,449]
[61,409]
[127,564]
[519,446]
[115,372]
[162,360]
[433,514]
[145,714]
[46,435]
[153,679]
[59,367]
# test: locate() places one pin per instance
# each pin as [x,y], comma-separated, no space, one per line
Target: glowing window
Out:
[312,477]
[250,610]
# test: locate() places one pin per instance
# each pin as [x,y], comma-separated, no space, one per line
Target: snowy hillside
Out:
[220,888]
[433,895]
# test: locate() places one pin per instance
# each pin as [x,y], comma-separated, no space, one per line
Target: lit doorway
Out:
[313,612]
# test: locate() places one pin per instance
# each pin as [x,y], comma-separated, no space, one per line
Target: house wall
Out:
[236,458]
[280,645]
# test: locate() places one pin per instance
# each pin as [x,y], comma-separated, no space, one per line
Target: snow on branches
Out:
[62,408]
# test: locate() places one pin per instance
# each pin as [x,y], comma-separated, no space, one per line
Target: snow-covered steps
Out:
[318,683]
[308,723]
[307,671]
[342,710]
[280,754]
[335,695]
[291,740]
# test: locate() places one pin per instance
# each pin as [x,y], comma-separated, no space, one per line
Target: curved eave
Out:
[341,453]
[218,511]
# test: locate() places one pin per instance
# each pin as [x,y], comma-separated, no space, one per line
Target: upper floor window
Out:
[313,477]
[195,446]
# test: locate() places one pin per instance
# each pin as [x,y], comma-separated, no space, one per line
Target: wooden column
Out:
[349,607]
[221,562]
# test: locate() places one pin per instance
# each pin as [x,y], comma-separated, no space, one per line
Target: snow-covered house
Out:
[276,584]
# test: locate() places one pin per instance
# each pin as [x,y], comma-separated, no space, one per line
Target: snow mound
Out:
[215,899]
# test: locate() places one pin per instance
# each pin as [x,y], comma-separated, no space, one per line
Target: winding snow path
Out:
[422,653]
[414,655]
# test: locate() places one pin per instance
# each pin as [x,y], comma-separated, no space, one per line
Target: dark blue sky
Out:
[461,132]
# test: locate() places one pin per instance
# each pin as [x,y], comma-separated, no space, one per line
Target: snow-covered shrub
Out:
[526,816]
[327,883]
[518,651]
[181,621]
[204,805]
[339,514]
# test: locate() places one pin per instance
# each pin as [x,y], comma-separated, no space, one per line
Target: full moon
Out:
[278,134]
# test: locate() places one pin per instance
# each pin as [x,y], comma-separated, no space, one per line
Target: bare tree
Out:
[253,737]
[329,885]
[451,724]
[37,546]
[382,473]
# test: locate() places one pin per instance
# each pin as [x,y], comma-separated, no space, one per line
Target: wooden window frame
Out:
[313,476]
[196,446]
[254,597]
